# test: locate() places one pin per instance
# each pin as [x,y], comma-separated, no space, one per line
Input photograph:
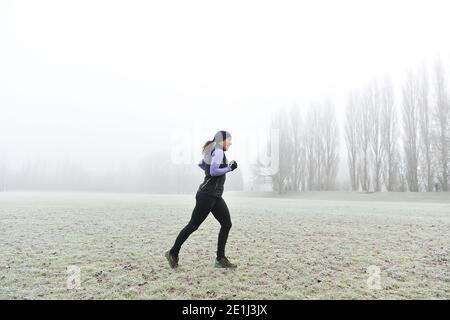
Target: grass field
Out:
[307,246]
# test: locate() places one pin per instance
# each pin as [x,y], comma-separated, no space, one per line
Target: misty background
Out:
[104,95]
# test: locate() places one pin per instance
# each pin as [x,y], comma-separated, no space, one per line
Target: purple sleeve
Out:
[215,163]
[202,164]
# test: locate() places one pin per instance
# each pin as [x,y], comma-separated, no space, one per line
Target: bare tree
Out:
[426,163]
[310,147]
[330,137]
[319,146]
[402,176]
[303,163]
[372,99]
[410,131]
[298,165]
[442,125]
[364,134]
[389,135]
[281,180]
[351,139]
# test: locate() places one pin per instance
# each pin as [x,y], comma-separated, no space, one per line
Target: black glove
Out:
[232,165]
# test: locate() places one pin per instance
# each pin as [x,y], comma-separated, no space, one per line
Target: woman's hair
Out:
[220,136]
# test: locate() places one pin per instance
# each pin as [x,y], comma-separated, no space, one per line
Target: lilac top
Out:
[215,164]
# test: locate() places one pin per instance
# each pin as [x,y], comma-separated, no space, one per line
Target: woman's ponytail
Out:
[206,145]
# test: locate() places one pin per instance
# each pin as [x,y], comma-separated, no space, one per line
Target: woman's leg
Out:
[222,214]
[202,208]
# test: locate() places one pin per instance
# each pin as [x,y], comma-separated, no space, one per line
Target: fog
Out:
[107,85]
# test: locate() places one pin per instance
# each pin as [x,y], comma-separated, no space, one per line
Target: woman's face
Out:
[226,144]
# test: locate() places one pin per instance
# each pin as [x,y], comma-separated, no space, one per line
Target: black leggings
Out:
[204,205]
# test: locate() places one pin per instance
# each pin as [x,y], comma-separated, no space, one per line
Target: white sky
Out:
[104,82]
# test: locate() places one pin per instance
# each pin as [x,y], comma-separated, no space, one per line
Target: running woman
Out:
[209,199]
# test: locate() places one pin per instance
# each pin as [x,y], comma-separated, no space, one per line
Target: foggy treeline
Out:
[392,143]
[308,149]
[154,174]
[400,143]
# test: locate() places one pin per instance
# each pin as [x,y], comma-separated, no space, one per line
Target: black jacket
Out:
[213,185]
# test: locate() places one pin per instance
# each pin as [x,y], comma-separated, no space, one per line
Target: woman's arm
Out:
[215,163]
[202,164]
